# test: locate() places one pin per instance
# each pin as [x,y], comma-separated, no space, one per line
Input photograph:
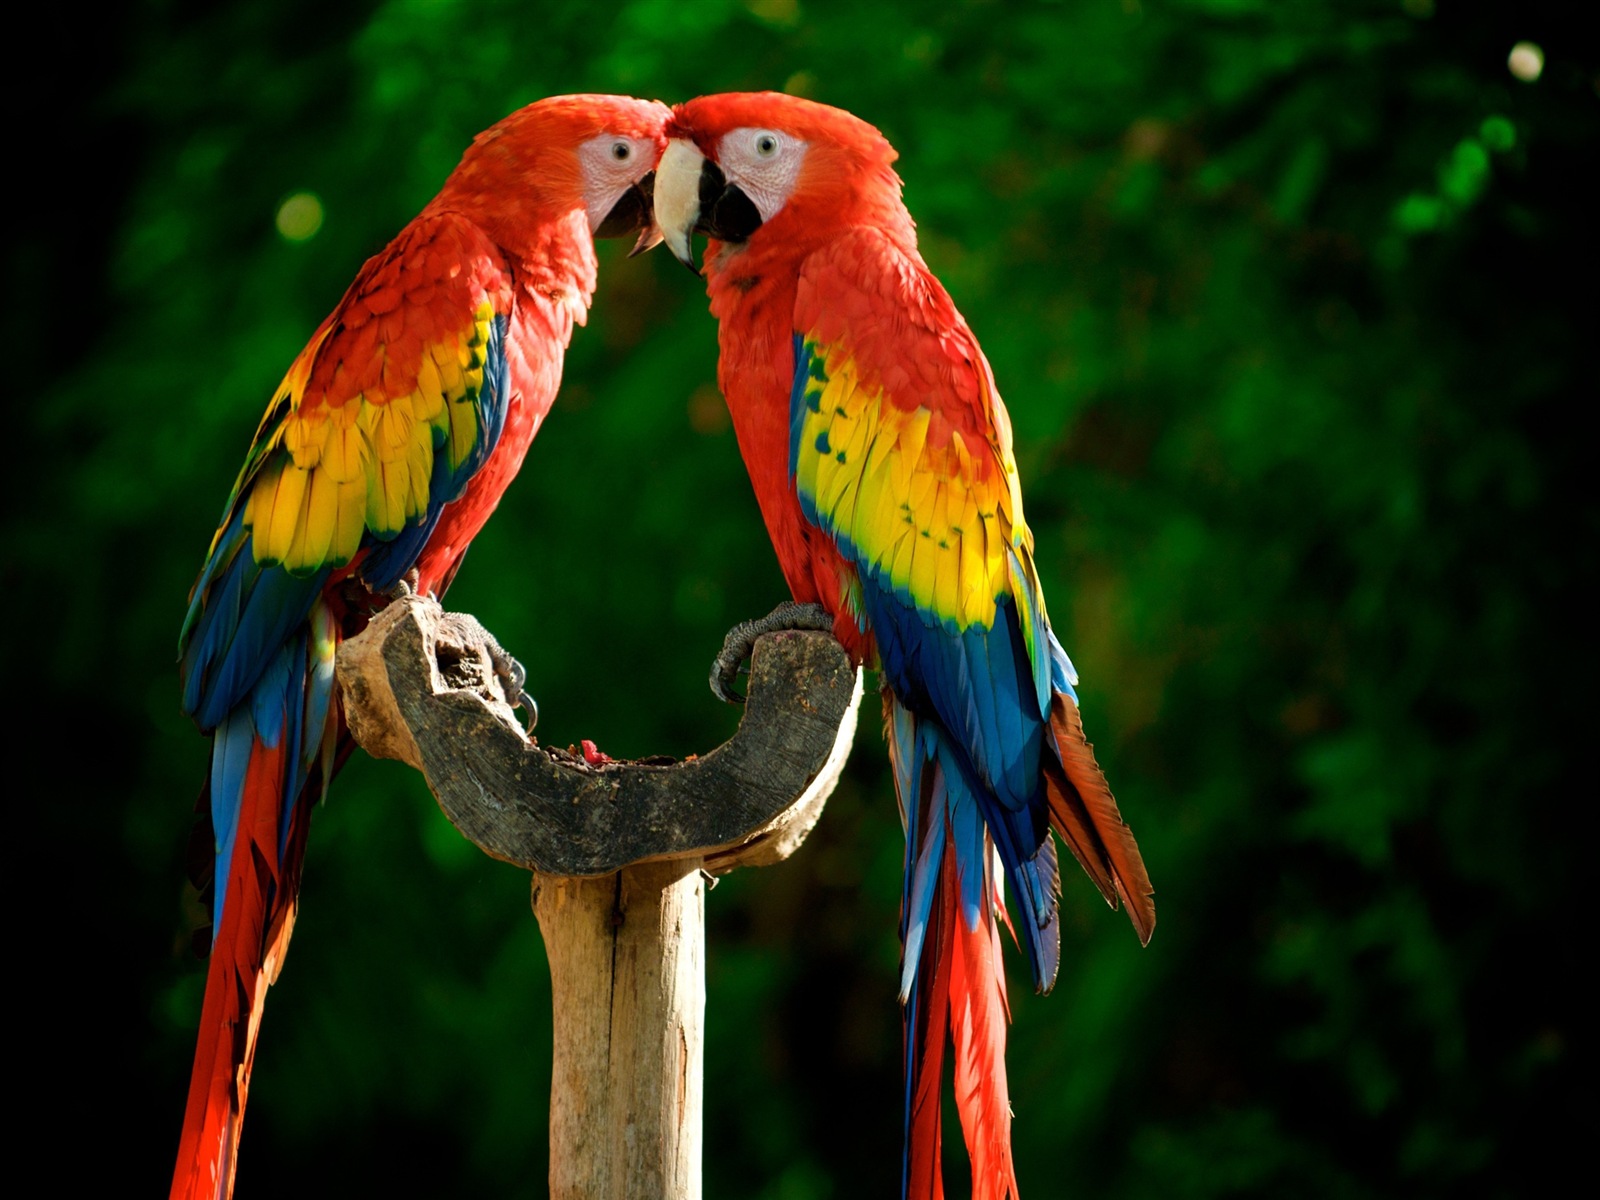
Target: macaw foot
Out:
[513,676]
[742,637]
[466,633]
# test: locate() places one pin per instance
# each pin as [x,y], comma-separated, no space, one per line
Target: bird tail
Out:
[952,980]
[1085,814]
[270,759]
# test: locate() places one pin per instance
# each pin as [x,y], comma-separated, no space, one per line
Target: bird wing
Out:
[382,419]
[901,453]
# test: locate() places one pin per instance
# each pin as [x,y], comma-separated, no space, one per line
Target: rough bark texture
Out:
[627,973]
[418,686]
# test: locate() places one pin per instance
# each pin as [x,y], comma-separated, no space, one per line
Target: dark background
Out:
[1287,301]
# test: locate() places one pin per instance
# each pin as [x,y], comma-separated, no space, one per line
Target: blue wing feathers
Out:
[1063,675]
[967,835]
[955,799]
[230,761]
[923,857]
[275,710]
[979,684]
[234,630]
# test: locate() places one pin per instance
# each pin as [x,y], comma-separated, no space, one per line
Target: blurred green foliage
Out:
[1287,301]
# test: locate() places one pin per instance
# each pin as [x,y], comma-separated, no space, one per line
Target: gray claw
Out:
[526,702]
[741,640]
[513,676]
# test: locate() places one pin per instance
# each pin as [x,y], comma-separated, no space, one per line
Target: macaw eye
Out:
[766,144]
[621,151]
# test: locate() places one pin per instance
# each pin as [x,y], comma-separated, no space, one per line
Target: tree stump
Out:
[619,853]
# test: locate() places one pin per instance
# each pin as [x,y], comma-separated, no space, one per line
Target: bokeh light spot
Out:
[1498,134]
[1463,175]
[299,217]
[1526,61]
[780,14]
[1419,213]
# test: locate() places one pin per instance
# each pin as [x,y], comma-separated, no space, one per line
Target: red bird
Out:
[382,454]
[881,457]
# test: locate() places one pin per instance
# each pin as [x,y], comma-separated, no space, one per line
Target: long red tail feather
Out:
[978,1019]
[960,996]
[246,953]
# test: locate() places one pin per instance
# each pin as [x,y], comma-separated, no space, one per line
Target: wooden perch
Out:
[419,686]
[620,853]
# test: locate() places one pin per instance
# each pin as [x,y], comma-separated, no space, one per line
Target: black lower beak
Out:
[631,212]
[726,213]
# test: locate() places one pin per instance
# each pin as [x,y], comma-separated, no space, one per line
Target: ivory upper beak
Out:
[677,198]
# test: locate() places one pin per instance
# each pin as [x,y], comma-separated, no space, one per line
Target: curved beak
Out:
[633,211]
[649,239]
[649,235]
[694,196]
[677,198]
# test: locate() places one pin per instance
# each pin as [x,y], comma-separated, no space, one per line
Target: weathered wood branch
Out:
[419,686]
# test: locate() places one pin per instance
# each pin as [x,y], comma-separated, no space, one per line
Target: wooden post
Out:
[627,972]
[620,853]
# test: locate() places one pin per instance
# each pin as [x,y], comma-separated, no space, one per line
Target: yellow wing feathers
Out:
[911,496]
[359,453]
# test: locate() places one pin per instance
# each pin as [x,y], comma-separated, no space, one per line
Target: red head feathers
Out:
[776,171]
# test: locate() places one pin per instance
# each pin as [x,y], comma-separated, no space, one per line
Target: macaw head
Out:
[762,169]
[592,153]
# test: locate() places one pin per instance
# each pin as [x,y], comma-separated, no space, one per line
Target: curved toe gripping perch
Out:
[620,853]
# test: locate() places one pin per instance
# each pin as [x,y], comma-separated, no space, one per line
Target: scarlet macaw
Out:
[881,458]
[380,457]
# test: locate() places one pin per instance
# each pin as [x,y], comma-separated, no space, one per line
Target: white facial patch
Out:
[764,164]
[611,165]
